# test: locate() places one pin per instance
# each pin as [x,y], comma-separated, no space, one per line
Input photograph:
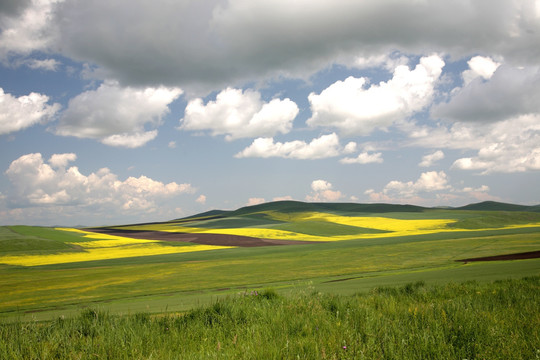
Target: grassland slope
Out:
[499,206]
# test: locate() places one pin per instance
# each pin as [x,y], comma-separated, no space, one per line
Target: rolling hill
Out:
[290,206]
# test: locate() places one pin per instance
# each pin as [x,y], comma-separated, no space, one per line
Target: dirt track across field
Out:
[518,256]
[204,239]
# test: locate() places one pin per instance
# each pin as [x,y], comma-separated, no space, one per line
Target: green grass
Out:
[26,240]
[394,297]
[231,222]
[485,219]
[167,278]
[496,320]
[181,281]
[323,228]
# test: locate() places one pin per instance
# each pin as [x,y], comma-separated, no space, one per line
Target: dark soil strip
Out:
[204,239]
[339,280]
[518,256]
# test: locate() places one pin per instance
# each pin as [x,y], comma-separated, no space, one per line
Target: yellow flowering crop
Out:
[390,227]
[384,223]
[103,248]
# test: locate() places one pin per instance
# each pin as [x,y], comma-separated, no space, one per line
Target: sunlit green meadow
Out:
[46,272]
[471,320]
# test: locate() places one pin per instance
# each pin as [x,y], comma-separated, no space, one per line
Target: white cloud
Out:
[17,113]
[509,92]
[131,139]
[37,183]
[201,199]
[350,148]
[354,109]
[363,158]
[319,148]
[282,198]
[395,190]
[255,201]
[322,192]
[212,43]
[387,61]
[28,28]
[430,159]
[479,66]
[480,193]
[240,114]
[116,115]
[496,114]
[222,42]
[502,158]
[45,64]
[320,185]
[171,144]
[62,160]
[506,146]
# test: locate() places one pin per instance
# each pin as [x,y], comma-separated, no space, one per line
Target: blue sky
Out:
[132,111]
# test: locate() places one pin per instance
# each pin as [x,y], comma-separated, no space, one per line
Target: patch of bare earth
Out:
[517,256]
[198,238]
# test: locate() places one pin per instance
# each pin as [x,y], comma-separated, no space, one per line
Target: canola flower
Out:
[104,247]
[391,227]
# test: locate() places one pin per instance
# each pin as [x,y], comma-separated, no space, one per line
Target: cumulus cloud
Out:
[255,201]
[215,43]
[240,114]
[509,92]
[319,148]
[115,115]
[201,199]
[43,64]
[386,61]
[506,146]
[26,26]
[502,158]
[320,185]
[479,66]
[61,160]
[496,114]
[38,183]
[396,190]
[322,192]
[354,108]
[363,158]
[430,159]
[282,198]
[480,193]
[17,113]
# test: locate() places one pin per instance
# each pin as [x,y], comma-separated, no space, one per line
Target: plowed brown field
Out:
[202,238]
[517,256]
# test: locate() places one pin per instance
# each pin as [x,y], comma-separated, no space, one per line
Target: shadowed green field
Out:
[180,281]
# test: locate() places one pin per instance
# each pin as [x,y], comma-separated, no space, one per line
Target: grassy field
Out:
[497,320]
[46,273]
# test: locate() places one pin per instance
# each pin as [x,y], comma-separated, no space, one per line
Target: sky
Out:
[116,112]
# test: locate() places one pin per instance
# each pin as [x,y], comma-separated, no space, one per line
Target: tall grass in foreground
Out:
[499,320]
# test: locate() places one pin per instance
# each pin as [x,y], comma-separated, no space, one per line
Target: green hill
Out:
[290,206]
[498,206]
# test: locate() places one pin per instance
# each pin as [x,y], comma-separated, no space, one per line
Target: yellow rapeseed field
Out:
[104,247]
[391,227]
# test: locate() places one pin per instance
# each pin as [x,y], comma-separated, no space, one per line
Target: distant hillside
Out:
[498,206]
[299,206]
[290,206]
